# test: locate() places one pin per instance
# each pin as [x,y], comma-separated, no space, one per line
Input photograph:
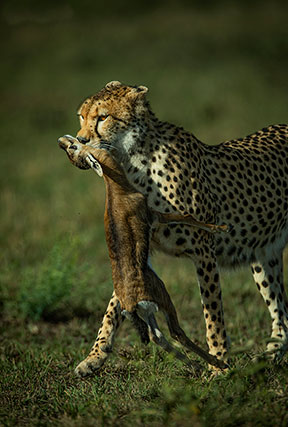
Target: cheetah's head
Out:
[113,117]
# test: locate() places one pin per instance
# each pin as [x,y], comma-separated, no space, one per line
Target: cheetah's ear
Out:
[113,84]
[142,89]
[138,92]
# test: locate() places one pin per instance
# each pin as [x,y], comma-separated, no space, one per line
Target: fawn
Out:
[127,220]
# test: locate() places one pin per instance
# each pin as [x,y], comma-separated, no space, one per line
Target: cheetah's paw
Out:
[89,366]
[92,363]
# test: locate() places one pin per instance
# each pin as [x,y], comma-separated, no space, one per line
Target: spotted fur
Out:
[242,183]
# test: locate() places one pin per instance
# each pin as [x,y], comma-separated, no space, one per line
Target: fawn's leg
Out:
[139,325]
[179,335]
[268,276]
[146,310]
[104,341]
[175,329]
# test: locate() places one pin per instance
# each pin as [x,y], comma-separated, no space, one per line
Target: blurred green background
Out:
[218,68]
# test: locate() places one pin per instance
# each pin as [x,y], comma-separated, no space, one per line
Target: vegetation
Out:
[220,71]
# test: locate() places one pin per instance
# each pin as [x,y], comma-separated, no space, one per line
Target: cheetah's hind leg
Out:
[268,276]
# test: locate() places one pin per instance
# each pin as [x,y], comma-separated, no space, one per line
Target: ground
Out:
[231,67]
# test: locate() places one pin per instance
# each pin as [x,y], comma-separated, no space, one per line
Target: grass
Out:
[220,71]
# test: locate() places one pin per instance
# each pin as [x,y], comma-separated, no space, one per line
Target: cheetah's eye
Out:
[81,118]
[102,118]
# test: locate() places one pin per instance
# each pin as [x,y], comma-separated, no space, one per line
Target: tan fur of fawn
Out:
[127,223]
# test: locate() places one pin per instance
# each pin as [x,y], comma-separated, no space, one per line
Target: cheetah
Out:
[242,183]
[127,219]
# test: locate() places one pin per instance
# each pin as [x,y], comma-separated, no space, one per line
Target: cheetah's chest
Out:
[170,187]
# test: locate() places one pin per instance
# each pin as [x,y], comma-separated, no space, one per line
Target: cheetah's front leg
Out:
[104,341]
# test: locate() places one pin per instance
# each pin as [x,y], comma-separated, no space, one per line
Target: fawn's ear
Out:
[94,164]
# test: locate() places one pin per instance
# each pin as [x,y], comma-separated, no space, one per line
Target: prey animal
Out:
[128,221]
